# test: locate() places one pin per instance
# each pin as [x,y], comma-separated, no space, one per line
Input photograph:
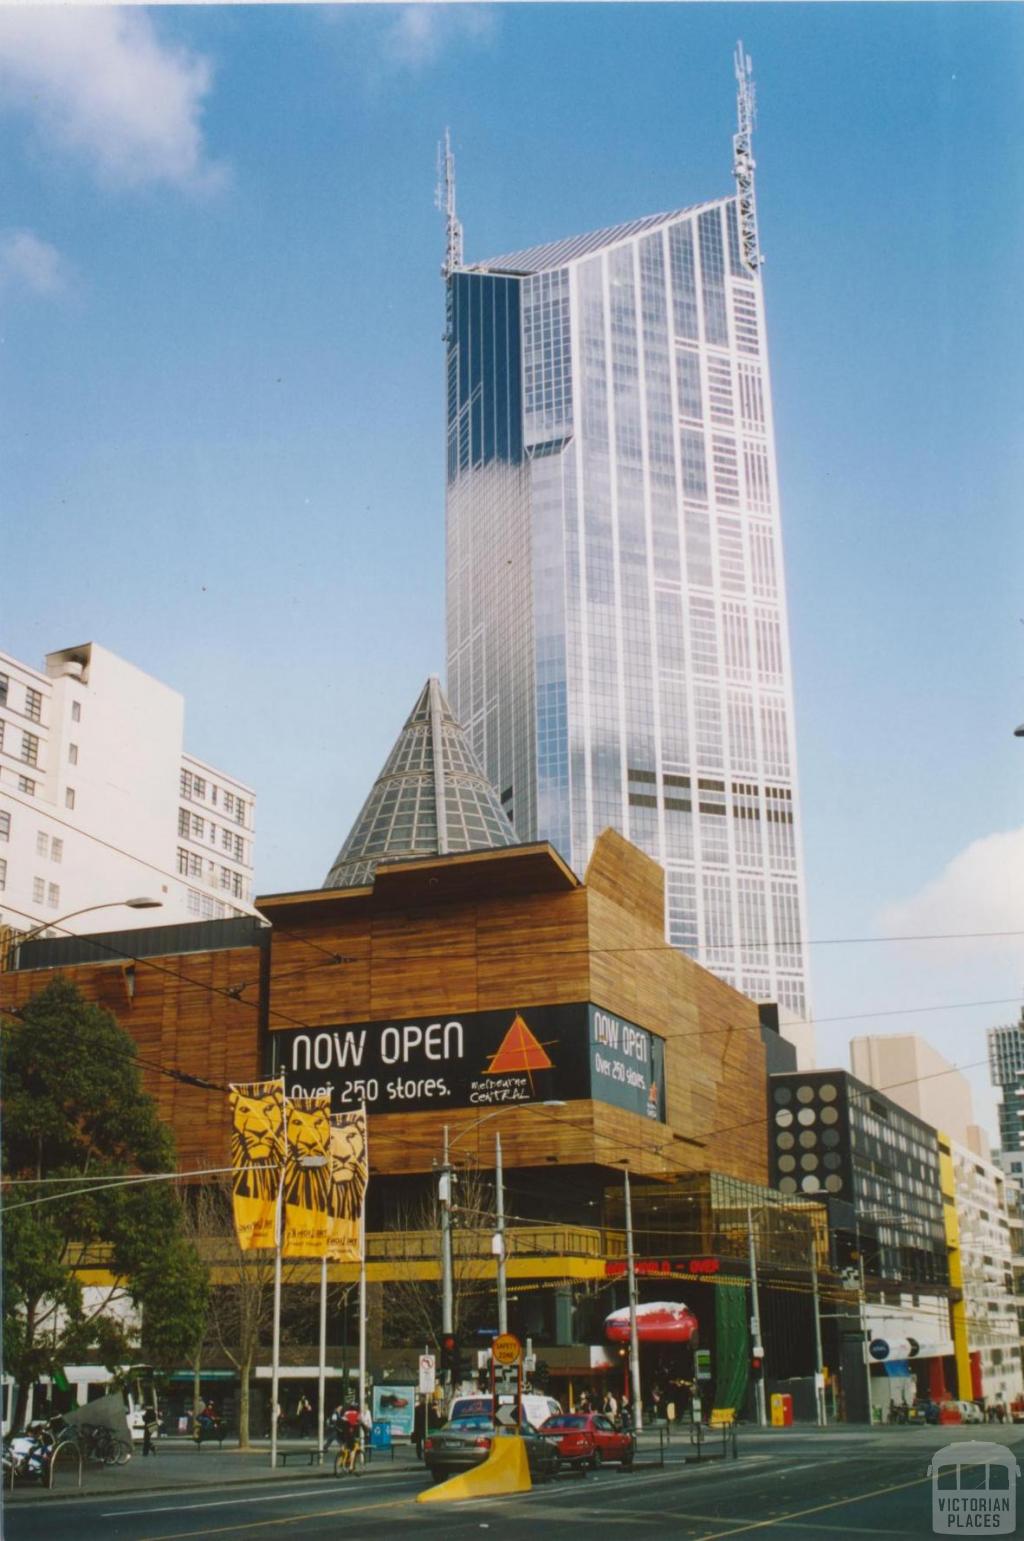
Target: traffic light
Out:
[451,1358]
[757,1363]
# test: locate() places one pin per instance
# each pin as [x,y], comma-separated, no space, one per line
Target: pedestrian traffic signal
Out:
[757,1363]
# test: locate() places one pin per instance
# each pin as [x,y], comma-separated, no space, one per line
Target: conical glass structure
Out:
[432,798]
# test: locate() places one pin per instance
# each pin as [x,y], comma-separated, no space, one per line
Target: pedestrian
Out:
[419,1419]
[149,1428]
[303,1415]
[334,1424]
[610,1406]
[625,1414]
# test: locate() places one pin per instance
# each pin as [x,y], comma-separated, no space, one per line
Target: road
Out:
[797,1484]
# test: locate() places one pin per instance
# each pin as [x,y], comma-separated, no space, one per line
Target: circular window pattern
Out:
[805,1094]
[810,1183]
[808,1139]
[783,1118]
[788,1184]
[834,1184]
[830,1136]
[829,1116]
[833,1161]
[806,1116]
[827,1093]
[783,1094]
[809,1162]
[787,1163]
[784,1140]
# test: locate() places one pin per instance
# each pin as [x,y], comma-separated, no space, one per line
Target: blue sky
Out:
[222,396]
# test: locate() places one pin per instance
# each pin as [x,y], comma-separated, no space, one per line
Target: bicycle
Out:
[351,1459]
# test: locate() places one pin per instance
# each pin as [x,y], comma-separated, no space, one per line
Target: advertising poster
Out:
[257,1150]
[308,1123]
[395,1404]
[478,1060]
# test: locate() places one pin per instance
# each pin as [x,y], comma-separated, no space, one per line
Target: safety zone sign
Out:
[507,1348]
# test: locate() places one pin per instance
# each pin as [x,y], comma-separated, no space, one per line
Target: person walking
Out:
[610,1406]
[419,1420]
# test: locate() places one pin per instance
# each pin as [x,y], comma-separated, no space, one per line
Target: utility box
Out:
[782,1409]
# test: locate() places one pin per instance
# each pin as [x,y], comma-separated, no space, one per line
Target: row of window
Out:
[44,892]
[191,826]
[29,746]
[33,701]
[191,864]
[198,789]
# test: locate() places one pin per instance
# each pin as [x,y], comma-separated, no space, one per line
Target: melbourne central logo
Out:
[508,1074]
[974,1489]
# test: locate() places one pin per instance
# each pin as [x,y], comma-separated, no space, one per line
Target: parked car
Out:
[463,1443]
[570,1436]
[610,1443]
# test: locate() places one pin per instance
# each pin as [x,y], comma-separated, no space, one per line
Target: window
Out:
[198,827]
[38,890]
[26,785]
[182,861]
[239,848]
[239,812]
[5,826]
[3,874]
[185,783]
[72,754]
[5,684]
[195,866]
[33,705]
[225,877]
[30,748]
[76,711]
[42,844]
[184,823]
[56,849]
[229,804]
[69,797]
[2,725]
[198,787]
[53,895]
[236,885]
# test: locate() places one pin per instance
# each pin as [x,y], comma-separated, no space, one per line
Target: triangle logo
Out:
[518,1051]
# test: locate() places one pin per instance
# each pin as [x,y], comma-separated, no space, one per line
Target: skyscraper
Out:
[617,635]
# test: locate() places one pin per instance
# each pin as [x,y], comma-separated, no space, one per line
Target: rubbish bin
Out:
[782,1409]
[380,1434]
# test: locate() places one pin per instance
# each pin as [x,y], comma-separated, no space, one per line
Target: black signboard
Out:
[477,1059]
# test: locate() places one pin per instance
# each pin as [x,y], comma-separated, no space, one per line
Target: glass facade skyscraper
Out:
[617,636]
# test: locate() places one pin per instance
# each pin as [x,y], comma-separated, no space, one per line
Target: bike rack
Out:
[72,1448]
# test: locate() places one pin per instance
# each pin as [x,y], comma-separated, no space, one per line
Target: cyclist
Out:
[349,1431]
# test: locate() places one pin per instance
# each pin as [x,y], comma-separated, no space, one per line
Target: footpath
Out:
[178,1465]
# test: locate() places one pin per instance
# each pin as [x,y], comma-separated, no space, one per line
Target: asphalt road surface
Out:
[797,1484]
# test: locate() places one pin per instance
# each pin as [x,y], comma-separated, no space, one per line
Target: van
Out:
[536,1409]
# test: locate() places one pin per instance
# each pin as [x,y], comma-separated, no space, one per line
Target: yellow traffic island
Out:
[506,1470]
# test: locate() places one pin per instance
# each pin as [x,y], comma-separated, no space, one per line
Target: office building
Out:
[987,1261]
[617,634]
[1006,1069]
[920,1079]
[99,802]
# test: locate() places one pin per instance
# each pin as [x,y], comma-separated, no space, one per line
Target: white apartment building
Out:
[986,1255]
[100,803]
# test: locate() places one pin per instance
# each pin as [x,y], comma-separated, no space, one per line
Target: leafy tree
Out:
[74,1107]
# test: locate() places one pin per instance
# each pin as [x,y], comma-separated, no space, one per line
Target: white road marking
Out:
[227,1503]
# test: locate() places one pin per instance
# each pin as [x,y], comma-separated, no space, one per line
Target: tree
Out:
[240,1300]
[73,1108]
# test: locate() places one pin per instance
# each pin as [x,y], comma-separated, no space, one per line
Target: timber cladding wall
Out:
[493,931]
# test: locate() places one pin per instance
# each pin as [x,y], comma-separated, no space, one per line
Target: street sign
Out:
[506,1414]
[702,1363]
[507,1348]
[529,1363]
[428,1373]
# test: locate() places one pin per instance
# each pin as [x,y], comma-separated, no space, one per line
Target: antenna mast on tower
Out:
[444,198]
[743,160]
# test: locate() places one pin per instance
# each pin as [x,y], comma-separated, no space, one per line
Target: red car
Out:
[607,1443]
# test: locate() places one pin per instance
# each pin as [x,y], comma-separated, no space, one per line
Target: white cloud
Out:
[27,262]
[981,889]
[418,34]
[102,84]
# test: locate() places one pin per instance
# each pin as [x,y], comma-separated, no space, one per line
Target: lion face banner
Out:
[308,1123]
[257,1151]
[349,1171]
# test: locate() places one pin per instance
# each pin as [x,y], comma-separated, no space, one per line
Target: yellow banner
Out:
[349,1175]
[308,1121]
[257,1151]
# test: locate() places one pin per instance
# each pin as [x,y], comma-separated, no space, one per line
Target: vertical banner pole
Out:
[362,1312]
[322,1379]
[275,1372]
[499,1200]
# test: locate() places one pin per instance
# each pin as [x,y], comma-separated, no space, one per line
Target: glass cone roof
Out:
[431,798]
[538,259]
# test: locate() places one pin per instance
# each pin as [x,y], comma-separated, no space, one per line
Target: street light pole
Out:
[499,1235]
[634,1336]
[141,903]
[755,1321]
[819,1363]
[444,1196]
